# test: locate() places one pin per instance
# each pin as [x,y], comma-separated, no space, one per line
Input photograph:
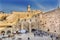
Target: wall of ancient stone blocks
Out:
[51,22]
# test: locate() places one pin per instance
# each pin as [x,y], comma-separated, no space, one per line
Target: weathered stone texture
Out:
[51,21]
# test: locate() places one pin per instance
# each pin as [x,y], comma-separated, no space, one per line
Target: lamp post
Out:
[58,3]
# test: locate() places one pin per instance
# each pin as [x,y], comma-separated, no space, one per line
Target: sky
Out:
[21,5]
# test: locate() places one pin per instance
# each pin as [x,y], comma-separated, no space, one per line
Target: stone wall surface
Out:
[48,21]
[51,21]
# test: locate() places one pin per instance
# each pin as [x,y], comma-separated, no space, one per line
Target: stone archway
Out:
[33,29]
[3,32]
[8,32]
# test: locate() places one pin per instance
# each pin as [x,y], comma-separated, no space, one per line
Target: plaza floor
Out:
[30,35]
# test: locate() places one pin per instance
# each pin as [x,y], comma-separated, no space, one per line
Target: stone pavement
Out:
[30,35]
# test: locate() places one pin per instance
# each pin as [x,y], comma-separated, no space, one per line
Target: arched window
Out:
[2,32]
